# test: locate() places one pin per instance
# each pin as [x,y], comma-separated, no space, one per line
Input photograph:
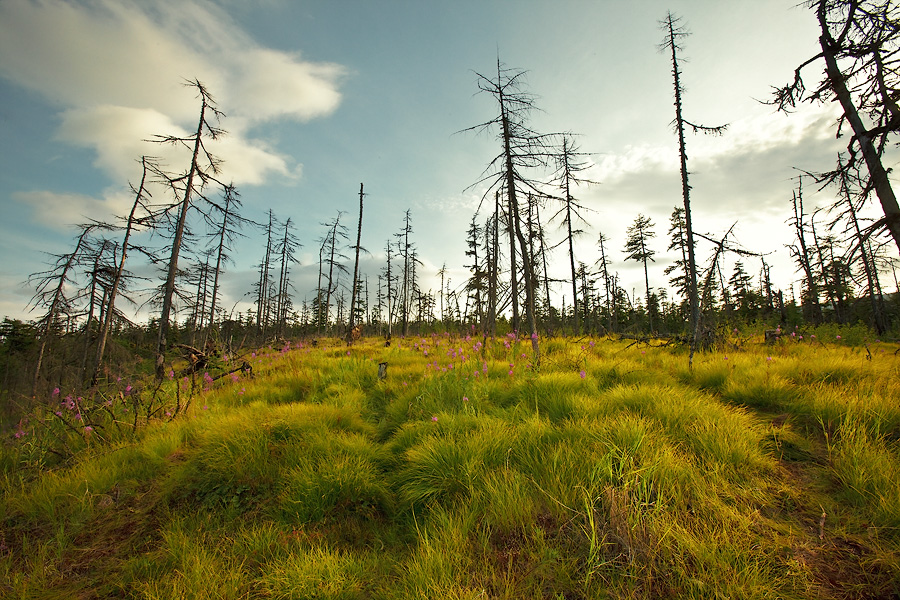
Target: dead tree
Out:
[801,252]
[407,281]
[51,293]
[226,235]
[522,149]
[287,250]
[264,285]
[332,247]
[134,221]
[847,208]
[673,33]
[568,165]
[352,321]
[204,166]
[859,44]
[608,282]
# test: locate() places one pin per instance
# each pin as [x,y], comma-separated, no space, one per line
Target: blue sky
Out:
[321,96]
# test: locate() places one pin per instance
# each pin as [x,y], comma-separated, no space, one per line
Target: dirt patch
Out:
[847,568]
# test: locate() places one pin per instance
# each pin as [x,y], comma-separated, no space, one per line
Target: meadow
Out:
[611,471]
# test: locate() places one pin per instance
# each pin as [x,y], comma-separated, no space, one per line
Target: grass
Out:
[612,471]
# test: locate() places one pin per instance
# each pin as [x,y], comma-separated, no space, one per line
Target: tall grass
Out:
[612,470]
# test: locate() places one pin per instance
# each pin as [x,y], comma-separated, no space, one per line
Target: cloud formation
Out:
[116,70]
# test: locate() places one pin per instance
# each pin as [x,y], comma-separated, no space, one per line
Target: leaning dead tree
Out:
[204,166]
[132,223]
[52,293]
[226,233]
[860,48]
[801,253]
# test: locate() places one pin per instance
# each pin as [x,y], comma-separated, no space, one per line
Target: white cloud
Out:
[118,135]
[117,70]
[62,209]
[266,84]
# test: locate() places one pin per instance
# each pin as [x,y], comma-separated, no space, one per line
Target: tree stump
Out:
[382,370]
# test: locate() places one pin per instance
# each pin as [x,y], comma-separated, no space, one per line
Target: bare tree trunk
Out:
[90,317]
[54,308]
[331,272]
[685,186]
[877,172]
[114,287]
[219,257]
[352,320]
[805,263]
[169,290]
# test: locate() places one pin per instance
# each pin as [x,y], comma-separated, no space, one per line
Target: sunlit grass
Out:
[610,470]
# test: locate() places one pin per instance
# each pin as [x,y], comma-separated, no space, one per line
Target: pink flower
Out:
[837,337]
[88,429]
[582,374]
[434,418]
[55,392]
[465,398]
[205,407]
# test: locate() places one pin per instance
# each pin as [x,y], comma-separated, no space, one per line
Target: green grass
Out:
[612,471]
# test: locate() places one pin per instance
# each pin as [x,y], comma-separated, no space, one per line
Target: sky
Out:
[320,96]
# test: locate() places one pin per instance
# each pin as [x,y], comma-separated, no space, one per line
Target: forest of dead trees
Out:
[185,221]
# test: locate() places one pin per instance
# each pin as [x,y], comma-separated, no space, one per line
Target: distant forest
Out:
[186,222]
